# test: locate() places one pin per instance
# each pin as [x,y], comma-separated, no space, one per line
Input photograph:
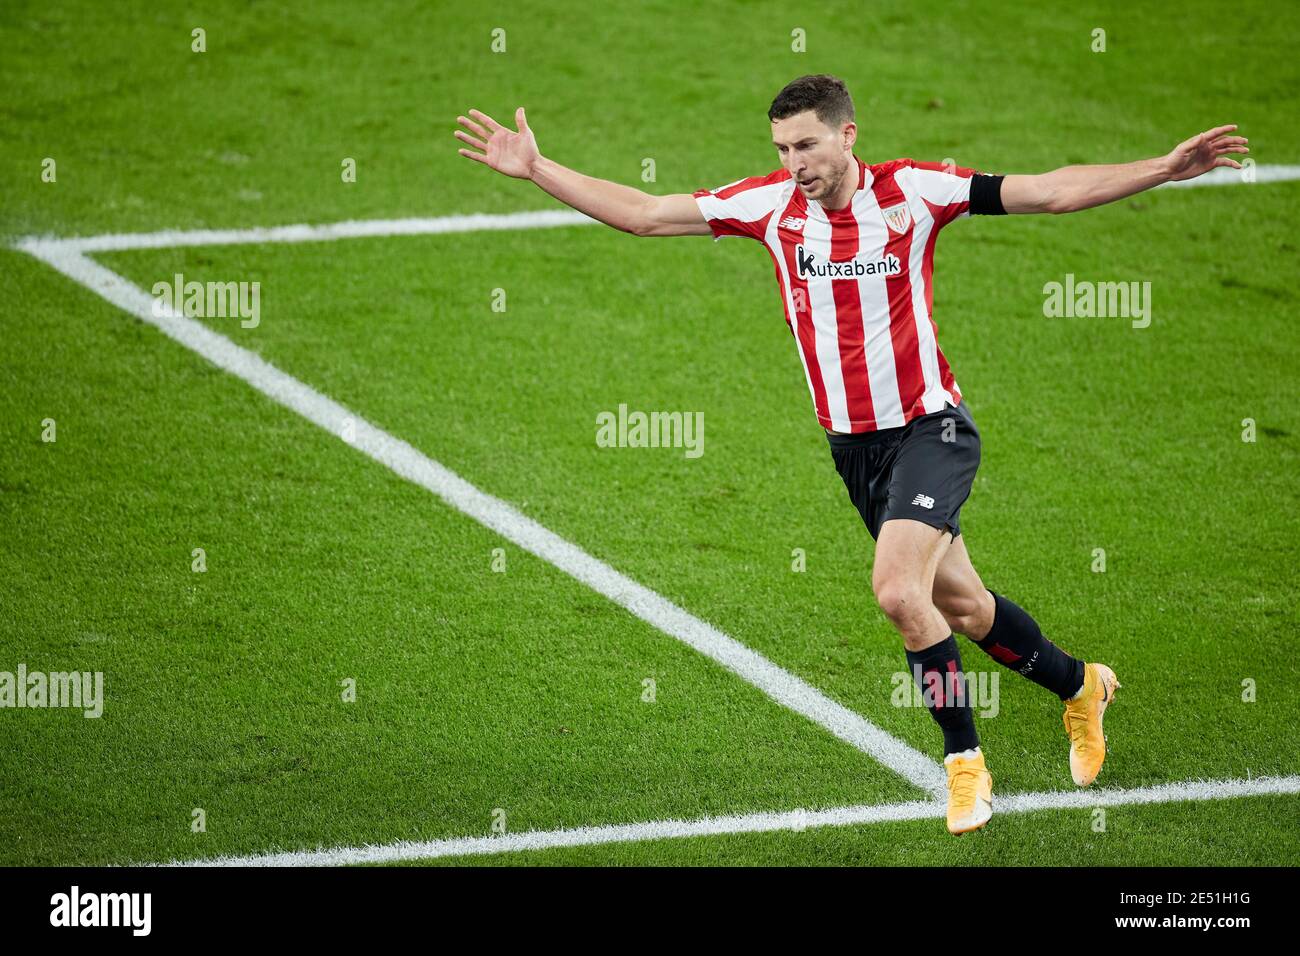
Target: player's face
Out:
[817,156]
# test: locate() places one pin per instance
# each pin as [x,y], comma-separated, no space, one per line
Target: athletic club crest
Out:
[897,218]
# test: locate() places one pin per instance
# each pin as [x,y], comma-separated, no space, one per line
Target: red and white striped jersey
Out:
[857,283]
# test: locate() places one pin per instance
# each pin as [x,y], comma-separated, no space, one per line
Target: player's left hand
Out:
[1205,151]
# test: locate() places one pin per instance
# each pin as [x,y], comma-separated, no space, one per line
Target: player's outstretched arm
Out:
[623,207]
[1072,188]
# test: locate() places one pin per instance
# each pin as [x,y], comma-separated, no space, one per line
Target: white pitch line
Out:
[754,823]
[1224,176]
[353,229]
[375,228]
[780,685]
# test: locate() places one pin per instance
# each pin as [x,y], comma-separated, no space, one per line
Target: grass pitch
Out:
[523,691]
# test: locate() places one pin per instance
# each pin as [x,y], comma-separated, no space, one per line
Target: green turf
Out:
[476,690]
[522,690]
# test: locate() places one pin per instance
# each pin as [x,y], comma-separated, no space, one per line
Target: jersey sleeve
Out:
[742,208]
[951,192]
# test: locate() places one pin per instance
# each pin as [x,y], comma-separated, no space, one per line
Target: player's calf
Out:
[970,615]
[1015,640]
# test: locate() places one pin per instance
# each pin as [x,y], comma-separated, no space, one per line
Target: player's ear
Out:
[850,134]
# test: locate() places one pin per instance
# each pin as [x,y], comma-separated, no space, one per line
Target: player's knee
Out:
[900,599]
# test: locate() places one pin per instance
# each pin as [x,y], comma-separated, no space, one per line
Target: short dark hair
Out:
[825,94]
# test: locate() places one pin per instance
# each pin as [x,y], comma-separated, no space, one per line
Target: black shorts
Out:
[922,470]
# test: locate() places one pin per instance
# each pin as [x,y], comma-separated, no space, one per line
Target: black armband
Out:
[986,195]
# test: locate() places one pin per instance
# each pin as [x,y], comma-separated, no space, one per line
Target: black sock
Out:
[937,671]
[1016,641]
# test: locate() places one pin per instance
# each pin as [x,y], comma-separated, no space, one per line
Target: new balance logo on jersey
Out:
[925,501]
[791,222]
[809,266]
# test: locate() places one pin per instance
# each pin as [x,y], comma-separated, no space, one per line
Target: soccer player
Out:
[853,247]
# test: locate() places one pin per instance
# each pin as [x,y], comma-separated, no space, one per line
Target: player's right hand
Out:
[504,150]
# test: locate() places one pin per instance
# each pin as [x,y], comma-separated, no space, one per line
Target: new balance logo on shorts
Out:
[925,501]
